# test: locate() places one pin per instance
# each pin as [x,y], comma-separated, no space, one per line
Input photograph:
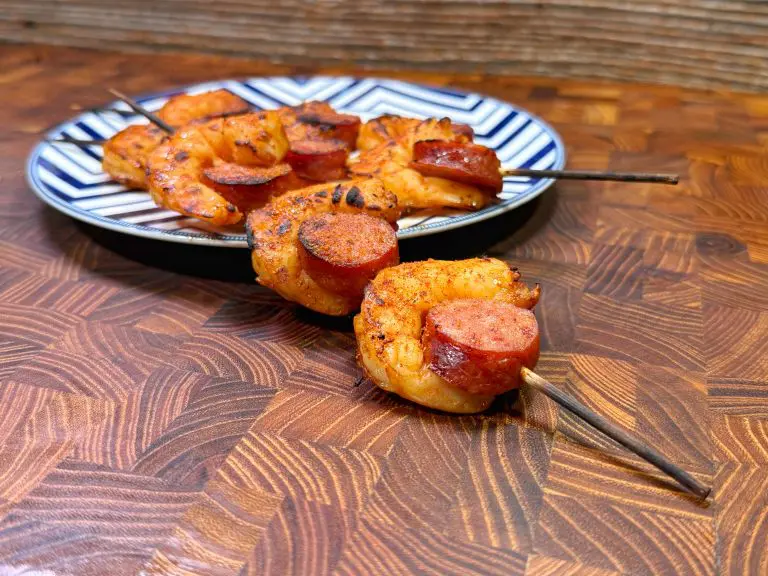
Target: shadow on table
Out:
[233,264]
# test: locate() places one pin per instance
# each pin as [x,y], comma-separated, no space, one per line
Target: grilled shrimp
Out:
[185,108]
[318,246]
[177,167]
[391,162]
[127,152]
[392,127]
[391,325]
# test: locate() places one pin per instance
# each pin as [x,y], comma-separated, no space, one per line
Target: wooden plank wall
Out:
[704,43]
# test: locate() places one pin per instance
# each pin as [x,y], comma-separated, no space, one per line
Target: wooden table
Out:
[158,421]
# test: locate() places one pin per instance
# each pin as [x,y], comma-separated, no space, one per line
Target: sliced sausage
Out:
[249,187]
[343,252]
[237,175]
[319,121]
[480,345]
[318,160]
[332,125]
[467,163]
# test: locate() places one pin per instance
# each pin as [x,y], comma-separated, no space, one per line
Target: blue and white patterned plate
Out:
[70,178]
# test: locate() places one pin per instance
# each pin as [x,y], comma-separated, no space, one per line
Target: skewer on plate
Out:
[672,179]
[592,175]
[138,108]
[65,139]
[135,106]
[478,165]
[462,166]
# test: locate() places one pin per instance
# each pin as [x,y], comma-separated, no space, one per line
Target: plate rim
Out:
[240,243]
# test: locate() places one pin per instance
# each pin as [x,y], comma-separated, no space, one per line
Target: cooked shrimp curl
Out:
[126,154]
[391,322]
[177,167]
[185,108]
[307,247]
[392,127]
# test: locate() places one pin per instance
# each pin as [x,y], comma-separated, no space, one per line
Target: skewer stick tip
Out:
[143,111]
[671,179]
[629,441]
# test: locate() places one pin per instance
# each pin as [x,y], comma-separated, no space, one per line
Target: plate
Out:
[70,178]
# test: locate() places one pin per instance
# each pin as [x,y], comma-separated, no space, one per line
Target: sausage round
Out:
[318,160]
[329,124]
[249,187]
[464,162]
[343,252]
[480,345]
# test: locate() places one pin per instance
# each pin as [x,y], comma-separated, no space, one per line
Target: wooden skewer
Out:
[627,440]
[64,139]
[143,111]
[672,179]
[116,111]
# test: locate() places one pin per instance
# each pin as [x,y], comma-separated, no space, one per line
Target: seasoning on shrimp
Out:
[177,167]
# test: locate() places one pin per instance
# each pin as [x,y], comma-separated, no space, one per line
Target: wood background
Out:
[712,43]
[171,424]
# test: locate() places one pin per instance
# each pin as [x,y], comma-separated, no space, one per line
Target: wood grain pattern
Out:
[86,519]
[539,565]
[713,45]
[740,439]
[167,424]
[507,470]
[742,518]
[303,537]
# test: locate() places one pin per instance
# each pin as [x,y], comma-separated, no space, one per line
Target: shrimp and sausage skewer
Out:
[319,246]
[390,160]
[390,325]
[453,335]
[434,163]
[126,153]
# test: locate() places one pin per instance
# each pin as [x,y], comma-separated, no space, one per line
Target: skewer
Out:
[64,139]
[615,433]
[476,164]
[136,107]
[671,179]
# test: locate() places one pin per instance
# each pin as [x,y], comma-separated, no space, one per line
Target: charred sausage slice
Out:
[480,345]
[463,162]
[343,252]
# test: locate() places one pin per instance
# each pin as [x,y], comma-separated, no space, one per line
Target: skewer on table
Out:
[615,433]
[671,179]
[138,108]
